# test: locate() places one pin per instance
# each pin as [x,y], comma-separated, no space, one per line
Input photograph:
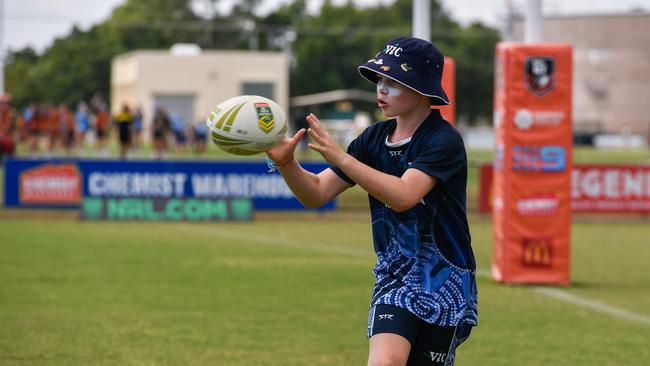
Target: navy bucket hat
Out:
[412,62]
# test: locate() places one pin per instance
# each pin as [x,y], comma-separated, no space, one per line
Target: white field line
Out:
[315,246]
[593,305]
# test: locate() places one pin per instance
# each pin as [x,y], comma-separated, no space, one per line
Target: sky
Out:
[36,23]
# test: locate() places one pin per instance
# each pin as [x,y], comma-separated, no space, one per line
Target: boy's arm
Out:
[313,190]
[400,193]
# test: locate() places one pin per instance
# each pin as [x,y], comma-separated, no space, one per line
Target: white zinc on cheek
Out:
[384,88]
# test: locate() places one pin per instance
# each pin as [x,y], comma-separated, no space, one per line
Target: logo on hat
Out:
[540,75]
[395,50]
[385,68]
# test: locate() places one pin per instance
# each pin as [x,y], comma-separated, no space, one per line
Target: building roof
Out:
[333,96]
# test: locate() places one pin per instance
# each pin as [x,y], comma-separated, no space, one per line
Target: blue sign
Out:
[543,158]
[51,183]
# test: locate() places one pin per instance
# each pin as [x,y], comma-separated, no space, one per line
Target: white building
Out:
[611,69]
[190,82]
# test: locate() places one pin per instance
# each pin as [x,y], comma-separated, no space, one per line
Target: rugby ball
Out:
[247,124]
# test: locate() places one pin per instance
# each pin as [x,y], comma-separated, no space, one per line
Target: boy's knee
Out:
[385,363]
[386,359]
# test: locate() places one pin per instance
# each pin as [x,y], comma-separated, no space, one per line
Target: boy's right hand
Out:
[282,153]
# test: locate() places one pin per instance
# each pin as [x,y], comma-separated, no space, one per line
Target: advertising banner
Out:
[610,189]
[532,114]
[63,183]
[167,209]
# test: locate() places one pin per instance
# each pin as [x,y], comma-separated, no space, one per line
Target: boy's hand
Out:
[282,153]
[324,143]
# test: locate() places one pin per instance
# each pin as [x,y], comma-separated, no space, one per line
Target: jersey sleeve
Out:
[442,157]
[356,149]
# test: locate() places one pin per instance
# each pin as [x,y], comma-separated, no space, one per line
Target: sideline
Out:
[554,293]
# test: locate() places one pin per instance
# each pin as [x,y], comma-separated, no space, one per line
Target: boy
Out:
[414,168]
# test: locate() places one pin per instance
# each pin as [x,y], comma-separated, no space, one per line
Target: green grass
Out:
[282,293]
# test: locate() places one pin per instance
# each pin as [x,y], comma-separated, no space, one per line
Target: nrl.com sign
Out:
[166,209]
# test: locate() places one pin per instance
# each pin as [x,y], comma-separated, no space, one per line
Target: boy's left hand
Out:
[324,143]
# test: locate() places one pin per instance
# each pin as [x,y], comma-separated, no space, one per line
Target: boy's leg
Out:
[436,346]
[387,349]
[392,331]
[397,337]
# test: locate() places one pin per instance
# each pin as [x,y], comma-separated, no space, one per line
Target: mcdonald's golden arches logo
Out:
[537,252]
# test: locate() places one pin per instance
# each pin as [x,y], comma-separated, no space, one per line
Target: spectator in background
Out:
[137,129]
[178,128]
[7,126]
[160,127]
[31,126]
[53,128]
[124,123]
[102,119]
[82,123]
[67,128]
[200,135]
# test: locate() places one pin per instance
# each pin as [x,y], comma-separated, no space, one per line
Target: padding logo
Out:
[540,75]
[537,252]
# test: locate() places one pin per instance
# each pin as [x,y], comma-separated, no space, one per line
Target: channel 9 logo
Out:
[543,158]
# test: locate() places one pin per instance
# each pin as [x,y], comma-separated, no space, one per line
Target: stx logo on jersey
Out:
[395,153]
[537,252]
[540,75]
[395,50]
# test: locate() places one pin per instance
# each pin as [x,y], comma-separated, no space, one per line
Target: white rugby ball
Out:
[247,124]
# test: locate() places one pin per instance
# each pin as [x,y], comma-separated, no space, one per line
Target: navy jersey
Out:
[425,260]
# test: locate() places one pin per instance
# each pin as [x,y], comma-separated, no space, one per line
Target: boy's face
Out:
[395,99]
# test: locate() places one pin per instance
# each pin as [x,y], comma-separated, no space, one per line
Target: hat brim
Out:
[410,79]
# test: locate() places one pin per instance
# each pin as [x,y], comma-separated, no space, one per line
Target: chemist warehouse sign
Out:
[149,189]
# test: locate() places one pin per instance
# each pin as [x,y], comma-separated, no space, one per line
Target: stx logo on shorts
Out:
[386,316]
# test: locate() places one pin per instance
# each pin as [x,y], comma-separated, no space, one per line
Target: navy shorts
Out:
[430,344]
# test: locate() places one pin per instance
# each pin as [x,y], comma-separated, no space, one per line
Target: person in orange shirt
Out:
[102,120]
[7,143]
[67,128]
[27,124]
[53,127]
[41,126]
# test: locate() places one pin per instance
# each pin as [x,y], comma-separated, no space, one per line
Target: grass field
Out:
[280,292]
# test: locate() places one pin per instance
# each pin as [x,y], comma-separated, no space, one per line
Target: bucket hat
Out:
[412,62]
